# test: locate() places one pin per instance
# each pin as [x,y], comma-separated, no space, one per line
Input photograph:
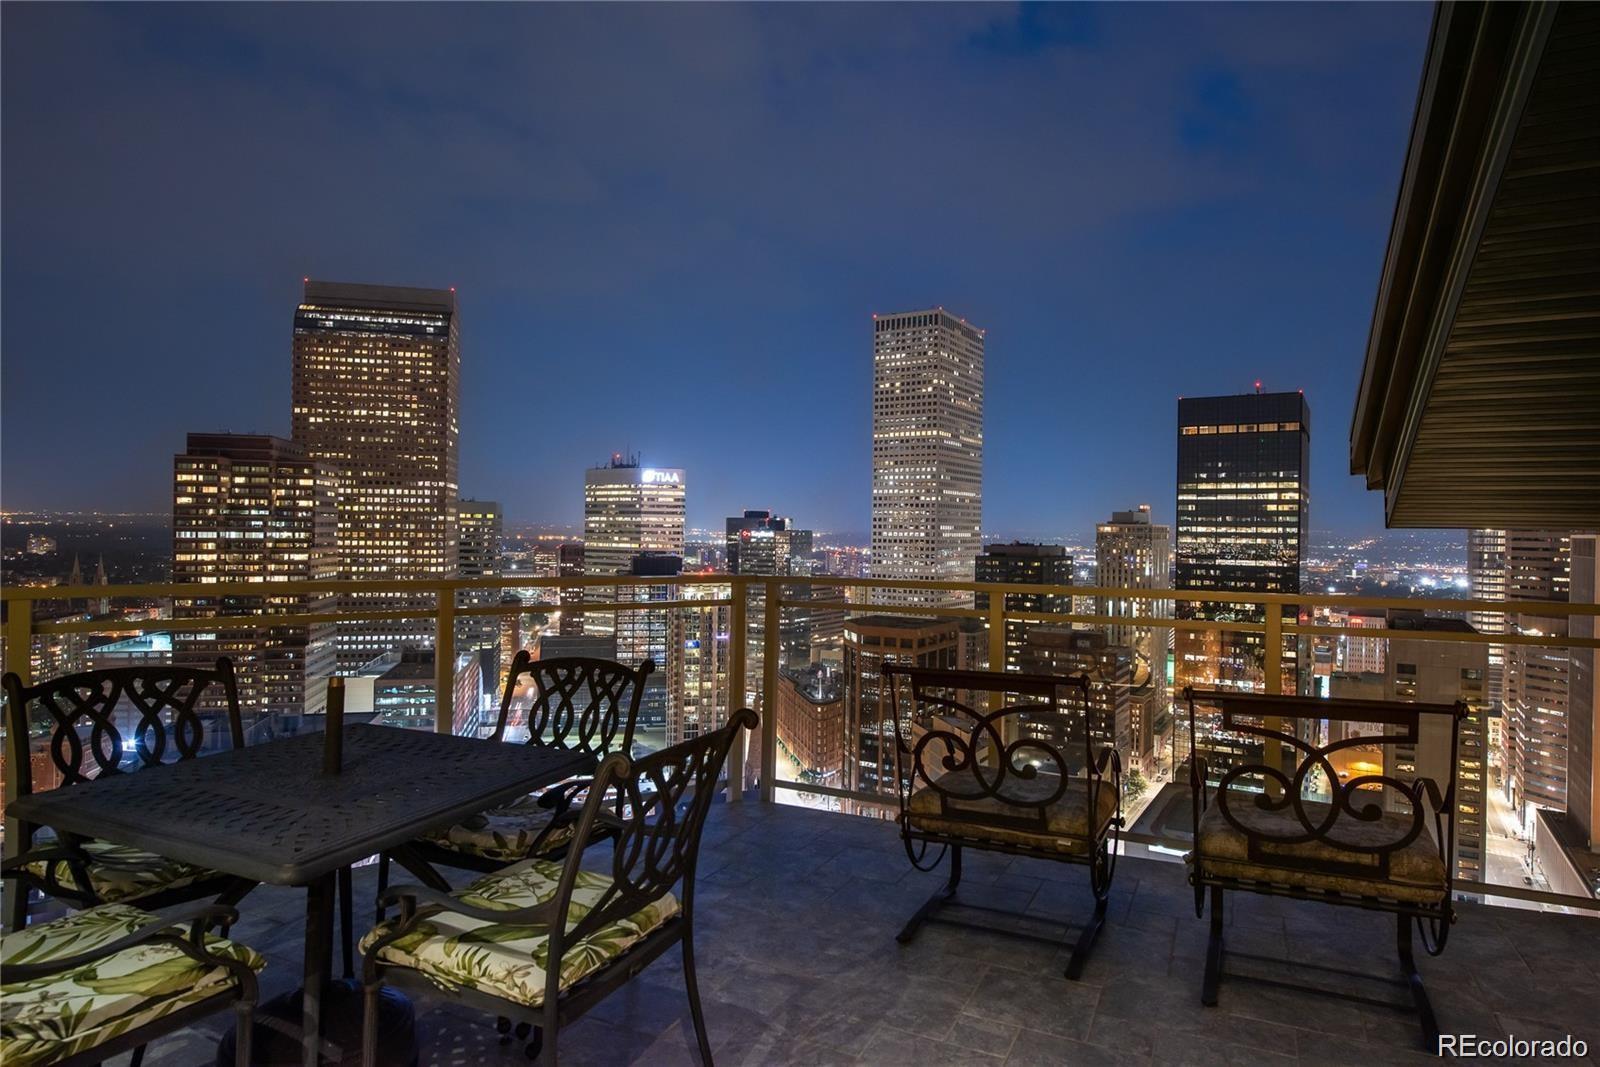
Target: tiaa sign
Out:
[655,477]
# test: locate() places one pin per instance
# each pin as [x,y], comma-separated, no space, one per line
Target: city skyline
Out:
[1203,230]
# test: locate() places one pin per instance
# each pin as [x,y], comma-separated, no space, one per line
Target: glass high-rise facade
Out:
[255,508]
[627,509]
[927,452]
[1242,524]
[376,394]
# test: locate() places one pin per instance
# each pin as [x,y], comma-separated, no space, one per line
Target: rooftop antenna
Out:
[1258,386]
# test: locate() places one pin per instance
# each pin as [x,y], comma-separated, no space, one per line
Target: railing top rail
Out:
[434,586]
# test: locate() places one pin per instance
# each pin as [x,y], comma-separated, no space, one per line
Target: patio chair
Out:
[1286,817]
[83,988]
[587,705]
[543,941]
[169,726]
[1022,780]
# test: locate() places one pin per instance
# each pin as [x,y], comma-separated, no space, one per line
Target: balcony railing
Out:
[441,601]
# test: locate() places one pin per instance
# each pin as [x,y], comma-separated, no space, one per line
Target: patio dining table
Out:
[271,814]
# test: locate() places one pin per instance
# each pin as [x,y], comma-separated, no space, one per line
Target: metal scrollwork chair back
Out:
[1276,813]
[169,723]
[663,799]
[162,720]
[653,809]
[1032,777]
[1024,755]
[588,705]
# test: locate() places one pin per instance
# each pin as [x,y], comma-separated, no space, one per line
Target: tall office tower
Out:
[1583,748]
[569,564]
[627,509]
[1486,580]
[1024,563]
[1537,677]
[478,555]
[870,641]
[762,544]
[696,667]
[927,452]
[377,394]
[1131,552]
[1243,515]
[253,508]
[641,633]
[759,542]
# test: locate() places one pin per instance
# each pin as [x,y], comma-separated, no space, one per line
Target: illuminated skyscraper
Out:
[1537,689]
[1583,751]
[1486,580]
[1024,563]
[1243,520]
[642,633]
[627,509]
[253,508]
[478,553]
[376,394]
[696,667]
[1131,552]
[927,451]
[763,544]
[569,564]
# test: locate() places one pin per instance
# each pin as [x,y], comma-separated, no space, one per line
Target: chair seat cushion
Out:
[510,961]
[119,873]
[506,833]
[1416,872]
[1065,828]
[49,1019]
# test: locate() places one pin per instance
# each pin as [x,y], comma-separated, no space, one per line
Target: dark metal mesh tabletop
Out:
[268,813]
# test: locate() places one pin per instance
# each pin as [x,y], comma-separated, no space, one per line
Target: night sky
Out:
[669,227]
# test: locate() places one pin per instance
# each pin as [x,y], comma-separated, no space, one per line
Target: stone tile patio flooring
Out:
[797,912]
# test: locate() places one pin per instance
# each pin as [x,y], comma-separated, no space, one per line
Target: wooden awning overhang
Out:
[1479,403]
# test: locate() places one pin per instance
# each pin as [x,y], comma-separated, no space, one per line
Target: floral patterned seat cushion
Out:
[1416,872]
[1066,819]
[51,1018]
[506,833]
[120,873]
[509,961]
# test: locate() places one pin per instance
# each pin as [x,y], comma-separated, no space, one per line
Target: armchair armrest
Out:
[561,797]
[19,864]
[159,930]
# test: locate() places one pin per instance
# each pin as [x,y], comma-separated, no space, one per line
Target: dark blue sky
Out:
[669,227]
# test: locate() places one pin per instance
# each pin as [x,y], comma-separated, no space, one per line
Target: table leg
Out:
[318,963]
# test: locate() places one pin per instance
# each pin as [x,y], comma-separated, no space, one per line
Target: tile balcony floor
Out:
[797,912]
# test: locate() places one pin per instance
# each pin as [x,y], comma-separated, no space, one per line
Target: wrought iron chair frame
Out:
[161,931]
[1101,771]
[597,727]
[69,755]
[1433,921]
[676,788]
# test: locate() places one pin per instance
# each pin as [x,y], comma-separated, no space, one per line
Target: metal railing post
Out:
[1272,661]
[444,662]
[997,641]
[19,661]
[769,691]
[19,639]
[738,638]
